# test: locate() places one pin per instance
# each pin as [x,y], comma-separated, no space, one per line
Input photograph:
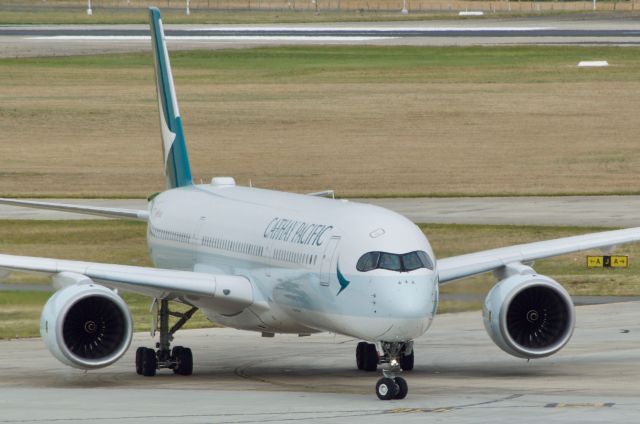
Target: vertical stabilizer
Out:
[176,162]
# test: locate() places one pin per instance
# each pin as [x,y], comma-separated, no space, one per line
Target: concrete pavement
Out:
[604,211]
[239,377]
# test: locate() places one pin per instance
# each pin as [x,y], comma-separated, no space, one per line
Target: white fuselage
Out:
[292,249]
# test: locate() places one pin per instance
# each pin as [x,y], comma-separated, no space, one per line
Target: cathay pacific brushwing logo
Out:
[344,283]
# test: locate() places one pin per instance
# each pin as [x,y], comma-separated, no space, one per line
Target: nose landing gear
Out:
[391,386]
[396,357]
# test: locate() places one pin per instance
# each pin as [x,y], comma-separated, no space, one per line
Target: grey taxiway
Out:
[591,211]
[57,40]
[239,377]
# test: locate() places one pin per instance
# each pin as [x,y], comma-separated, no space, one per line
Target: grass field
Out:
[124,243]
[365,121]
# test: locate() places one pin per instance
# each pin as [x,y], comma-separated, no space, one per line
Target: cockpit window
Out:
[390,261]
[411,261]
[394,262]
[368,261]
[425,259]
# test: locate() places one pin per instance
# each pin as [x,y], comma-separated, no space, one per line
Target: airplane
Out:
[276,262]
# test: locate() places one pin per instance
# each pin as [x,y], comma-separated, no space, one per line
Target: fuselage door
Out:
[197,238]
[327,260]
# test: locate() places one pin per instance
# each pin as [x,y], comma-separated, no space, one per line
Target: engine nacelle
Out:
[529,316]
[86,326]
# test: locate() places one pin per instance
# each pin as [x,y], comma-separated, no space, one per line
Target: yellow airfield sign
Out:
[607,261]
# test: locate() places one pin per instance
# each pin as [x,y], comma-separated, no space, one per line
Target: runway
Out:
[241,378]
[588,211]
[38,40]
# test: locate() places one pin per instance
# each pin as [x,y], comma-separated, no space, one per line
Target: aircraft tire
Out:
[406,362]
[139,353]
[370,357]
[386,389]
[149,362]
[360,349]
[184,358]
[403,388]
[175,352]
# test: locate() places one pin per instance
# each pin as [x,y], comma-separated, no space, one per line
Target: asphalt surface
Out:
[584,211]
[399,32]
[460,376]
[600,211]
[19,41]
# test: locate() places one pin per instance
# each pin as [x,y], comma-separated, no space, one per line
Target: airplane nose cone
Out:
[406,304]
[404,297]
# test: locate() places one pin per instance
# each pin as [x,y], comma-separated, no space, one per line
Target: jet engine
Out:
[86,326]
[529,316]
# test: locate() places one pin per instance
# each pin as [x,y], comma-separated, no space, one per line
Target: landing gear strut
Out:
[390,386]
[367,357]
[179,359]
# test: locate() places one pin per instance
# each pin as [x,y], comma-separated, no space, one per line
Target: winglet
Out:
[176,161]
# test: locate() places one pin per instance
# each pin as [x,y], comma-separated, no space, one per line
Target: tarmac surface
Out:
[460,376]
[599,211]
[55,40]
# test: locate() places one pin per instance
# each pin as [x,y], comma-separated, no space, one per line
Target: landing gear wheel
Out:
[403,388]
[149,362]
[184,360]
[139,353]
[360,349]
[406,362]
[386,389]
[370,356]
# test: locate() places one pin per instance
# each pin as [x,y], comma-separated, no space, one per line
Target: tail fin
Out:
[176,161]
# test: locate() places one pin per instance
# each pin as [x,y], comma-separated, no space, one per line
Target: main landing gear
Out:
[398,357]
[179,359]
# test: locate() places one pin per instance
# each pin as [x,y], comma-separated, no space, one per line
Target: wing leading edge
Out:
[457,267]
[224,292]
[139,215]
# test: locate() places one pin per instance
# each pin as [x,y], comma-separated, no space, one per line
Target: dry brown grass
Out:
[78,130]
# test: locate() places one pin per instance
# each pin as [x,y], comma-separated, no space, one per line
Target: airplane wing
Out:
[139,215]
[225,291]
[457,267]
